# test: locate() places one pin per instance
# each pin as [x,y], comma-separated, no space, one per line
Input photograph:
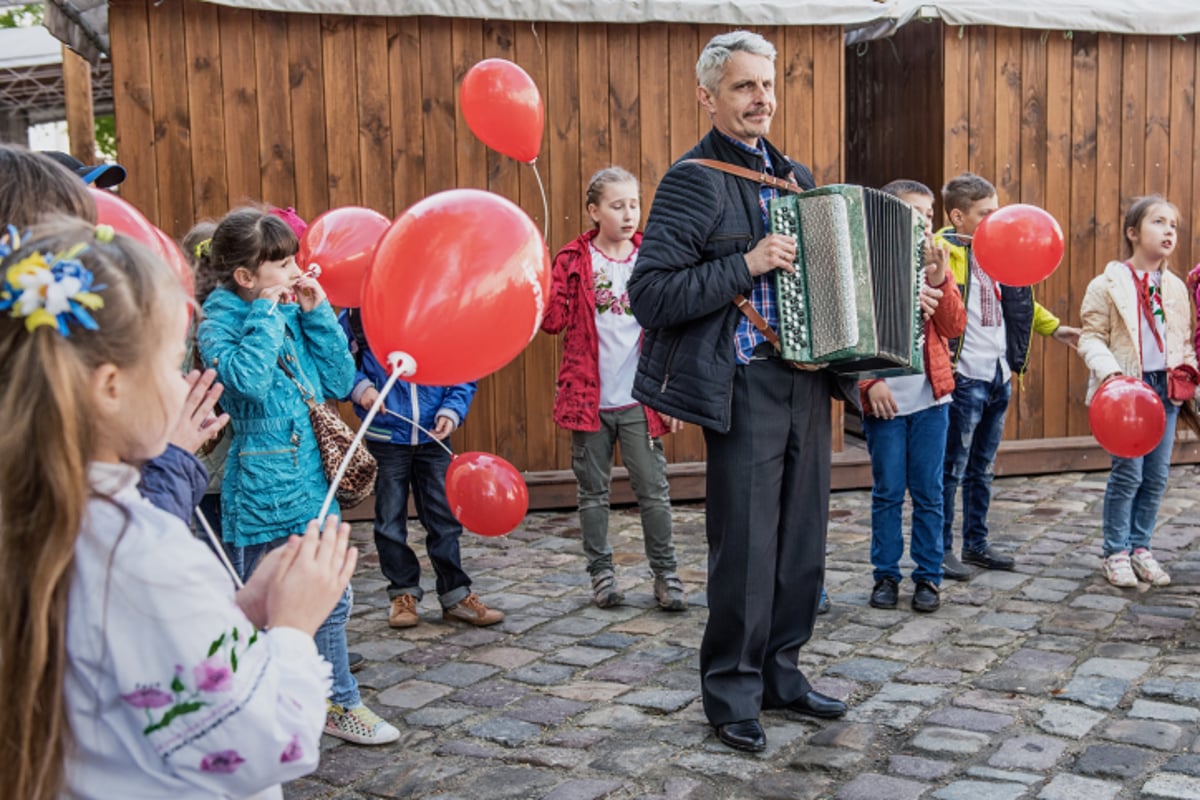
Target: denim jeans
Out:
[972,438]
[423,467]
[906,453]
[1136,485]
[330,637]
[591,460]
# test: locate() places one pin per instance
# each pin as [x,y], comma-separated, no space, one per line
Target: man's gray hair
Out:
[721,48]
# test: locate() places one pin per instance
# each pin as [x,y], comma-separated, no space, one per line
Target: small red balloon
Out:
[342,243]
[457,287]
[486,493]
[170,253]
[503,107]
[1018,245]
[1127,417]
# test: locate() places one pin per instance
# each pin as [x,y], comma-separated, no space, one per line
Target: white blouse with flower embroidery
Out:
[170,690]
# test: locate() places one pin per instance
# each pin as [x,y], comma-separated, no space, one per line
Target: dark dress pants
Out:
[767,510]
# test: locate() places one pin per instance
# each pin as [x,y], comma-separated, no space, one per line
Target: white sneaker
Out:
[1146,566]
[1118,571]
[360,725]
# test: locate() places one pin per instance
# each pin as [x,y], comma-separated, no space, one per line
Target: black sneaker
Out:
[988,558]
[885,594]
[925,597]
[953,569]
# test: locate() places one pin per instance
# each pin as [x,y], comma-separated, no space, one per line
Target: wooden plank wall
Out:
[216,106]
[1079,124]
[894,100]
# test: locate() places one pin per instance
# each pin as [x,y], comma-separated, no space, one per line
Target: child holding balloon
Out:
[1137,322]
[601,344]
[995,344]
[416,459]
[130,666]
[275,342]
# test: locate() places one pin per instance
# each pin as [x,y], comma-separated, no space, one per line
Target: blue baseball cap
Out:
[104,176]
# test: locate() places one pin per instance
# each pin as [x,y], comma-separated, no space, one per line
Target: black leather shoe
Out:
[885,594]
[925,597]
[953,569]
[988,559]
[744,734]
[815,704]
[355,661]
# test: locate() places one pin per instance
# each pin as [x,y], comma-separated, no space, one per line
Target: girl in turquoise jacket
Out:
[274,340]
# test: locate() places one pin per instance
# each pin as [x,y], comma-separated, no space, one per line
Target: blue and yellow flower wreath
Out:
[49,289]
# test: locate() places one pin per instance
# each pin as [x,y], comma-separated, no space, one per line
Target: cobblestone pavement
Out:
[1042,683]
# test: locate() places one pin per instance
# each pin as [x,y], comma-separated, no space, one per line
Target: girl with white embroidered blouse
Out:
[129,666]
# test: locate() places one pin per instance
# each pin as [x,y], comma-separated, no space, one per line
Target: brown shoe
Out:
[404,612]
[472,610]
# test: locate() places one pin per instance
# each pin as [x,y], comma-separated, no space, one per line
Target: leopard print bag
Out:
[334,438]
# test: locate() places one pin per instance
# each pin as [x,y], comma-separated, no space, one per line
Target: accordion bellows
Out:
[853,301]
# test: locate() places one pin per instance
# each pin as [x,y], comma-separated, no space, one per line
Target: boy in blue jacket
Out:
[408,457]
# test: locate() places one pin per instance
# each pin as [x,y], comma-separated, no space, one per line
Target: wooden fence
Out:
[1077,123]
[216,106]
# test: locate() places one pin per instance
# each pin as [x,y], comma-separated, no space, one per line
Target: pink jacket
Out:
[572,308]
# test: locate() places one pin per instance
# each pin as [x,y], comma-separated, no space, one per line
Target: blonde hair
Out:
[44,386]
[604,178]
[36,185]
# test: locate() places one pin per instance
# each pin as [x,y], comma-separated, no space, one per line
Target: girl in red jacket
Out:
[594,400]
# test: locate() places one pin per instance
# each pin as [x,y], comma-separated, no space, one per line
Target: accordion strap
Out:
[756,319]
[748,174]
[743,304]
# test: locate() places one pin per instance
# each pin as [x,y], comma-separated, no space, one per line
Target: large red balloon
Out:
[170,253]
[124,218]
[502,105]
[486,493]
[1127,417]
[457,287]
[342,242]
[1018,245]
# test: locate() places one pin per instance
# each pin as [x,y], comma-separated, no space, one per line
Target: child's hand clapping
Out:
[311,575]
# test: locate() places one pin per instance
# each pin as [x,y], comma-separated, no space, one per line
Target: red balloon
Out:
[122,217]
[503,107]
[170,253]
[486,493]
[1018,245]
[457,287]
[342,242]
[1127,417]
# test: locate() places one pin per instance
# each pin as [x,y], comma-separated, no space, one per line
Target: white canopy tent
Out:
[83,24]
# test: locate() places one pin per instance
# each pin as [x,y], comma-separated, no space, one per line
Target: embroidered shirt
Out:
[170,690]
[619,333]
[746,336]
[984,340]
[1153,320]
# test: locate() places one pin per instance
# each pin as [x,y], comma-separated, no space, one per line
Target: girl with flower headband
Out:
[274,340]
[129,667]
[36,188]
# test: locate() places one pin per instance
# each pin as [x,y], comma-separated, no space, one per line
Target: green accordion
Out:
[853,302]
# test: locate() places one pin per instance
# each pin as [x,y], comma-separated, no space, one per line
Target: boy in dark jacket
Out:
[410,457]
